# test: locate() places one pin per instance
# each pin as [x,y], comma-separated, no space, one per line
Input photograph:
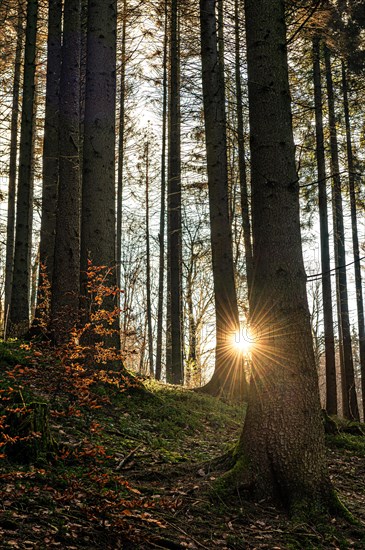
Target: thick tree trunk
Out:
[20,296]
[161,236]
[245,211]
[281,452]
[349,398]
[174,358]
[98,225]
[10,228]
[329,340]
[228,378]
[66,276]
[355,236]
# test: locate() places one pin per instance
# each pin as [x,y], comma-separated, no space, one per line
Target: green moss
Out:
[352,443]
[237,478]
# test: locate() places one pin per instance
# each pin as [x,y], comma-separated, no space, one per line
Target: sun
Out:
[243,341]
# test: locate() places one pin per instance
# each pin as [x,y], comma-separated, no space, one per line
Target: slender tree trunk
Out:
[51,139]
[10,233]
[148,266]
[349,398]
[355,237]
[161,236]
[66,276]
[329,340]
[228,377]
[281,452]
[19,304]
[174,370]
[245,211]
[121,148]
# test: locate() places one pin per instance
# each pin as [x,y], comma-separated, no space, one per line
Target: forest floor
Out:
[135,470]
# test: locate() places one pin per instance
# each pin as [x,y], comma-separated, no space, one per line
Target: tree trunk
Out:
[281,452]
[51,139]
[13,167]
[148,265]
[98,225]
[355,237]
[245,211]
[66,276]
[161,236]
[19,304]
[349,398]
[329,340]
[175,368]
[228,378]
[121,148]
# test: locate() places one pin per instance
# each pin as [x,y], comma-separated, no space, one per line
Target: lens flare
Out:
[243,341]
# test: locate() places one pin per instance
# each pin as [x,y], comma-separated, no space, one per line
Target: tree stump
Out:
[33,442]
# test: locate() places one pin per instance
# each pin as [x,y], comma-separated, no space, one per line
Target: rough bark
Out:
[228,377]
[20,295]
[329,341]
[174,359]
[98,224]
[65,282]
[349,398]
[355,236]
[281,452]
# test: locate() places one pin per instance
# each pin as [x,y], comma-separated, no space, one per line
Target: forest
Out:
[182,329]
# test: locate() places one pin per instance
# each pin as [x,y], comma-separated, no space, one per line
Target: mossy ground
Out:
[137,471]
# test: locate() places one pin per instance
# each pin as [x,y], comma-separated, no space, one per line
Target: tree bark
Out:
[98,225]
[228,377]
[10,228]
[50,152]
[245,211]
[20,295]
[349,398]
[281,452]
[174,358]
[66,277]
[121,147]
[355,236]
[161,236]
[51,139]
[329,340]
[148,265]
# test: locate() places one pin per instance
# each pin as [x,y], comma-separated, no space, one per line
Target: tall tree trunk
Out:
[349,398]
[98,224]
[174,370]
[161,236]
[355,237]
[329,340]
[228,377]
[281,452]
[20,295]
[10,233]
[66,276]
[121,147]
[51,138]
[148,265]
[245,211]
